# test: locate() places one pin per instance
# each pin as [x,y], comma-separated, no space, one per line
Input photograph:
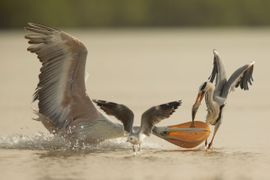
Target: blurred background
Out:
[135,13]
[140,53]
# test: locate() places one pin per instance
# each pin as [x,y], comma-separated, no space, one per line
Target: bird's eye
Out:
[164,133]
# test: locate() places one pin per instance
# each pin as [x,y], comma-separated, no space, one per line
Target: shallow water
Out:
[140,69]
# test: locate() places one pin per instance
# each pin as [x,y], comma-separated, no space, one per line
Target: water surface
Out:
[140,69]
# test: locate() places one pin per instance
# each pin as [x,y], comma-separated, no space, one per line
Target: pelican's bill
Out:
[187,137]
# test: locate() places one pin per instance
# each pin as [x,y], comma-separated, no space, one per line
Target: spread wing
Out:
[61,88]
[157,113]
[120,111]
[242,78]
[218,73]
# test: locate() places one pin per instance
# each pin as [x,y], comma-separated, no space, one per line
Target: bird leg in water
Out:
[215,131]
[136,147]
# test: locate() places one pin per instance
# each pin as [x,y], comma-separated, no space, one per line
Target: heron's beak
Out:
[197,104]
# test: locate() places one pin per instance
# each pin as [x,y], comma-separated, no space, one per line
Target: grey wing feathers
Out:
[247,79]
[120,111]
[218,73]
[61,75]
[157,113]
[242,78]
[214,71]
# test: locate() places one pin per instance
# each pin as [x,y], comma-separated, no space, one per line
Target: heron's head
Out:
[133,139]
[203,88]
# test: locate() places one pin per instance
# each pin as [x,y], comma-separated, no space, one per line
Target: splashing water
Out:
[45,141]
[39,141]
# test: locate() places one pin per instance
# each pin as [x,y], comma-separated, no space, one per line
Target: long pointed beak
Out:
[197,104]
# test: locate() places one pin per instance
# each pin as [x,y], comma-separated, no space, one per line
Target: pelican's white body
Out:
[95,131]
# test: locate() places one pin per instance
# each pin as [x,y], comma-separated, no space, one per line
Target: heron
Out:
[64,107]
[149,119]
[217,93]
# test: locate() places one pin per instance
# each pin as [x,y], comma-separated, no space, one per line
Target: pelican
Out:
[216,93]
[64,107]
[149,118]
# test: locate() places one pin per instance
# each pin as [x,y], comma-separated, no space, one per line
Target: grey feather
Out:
[61,89]
[157,113]
[218,73]
[242,78]
[120,111]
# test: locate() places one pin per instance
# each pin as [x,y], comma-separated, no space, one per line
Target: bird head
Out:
[133,139]
[203,88]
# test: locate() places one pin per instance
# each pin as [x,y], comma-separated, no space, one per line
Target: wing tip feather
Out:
[252,63]
[215,52]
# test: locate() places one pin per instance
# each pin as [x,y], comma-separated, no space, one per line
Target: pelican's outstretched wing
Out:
[120,111]
[157,113]
[61,88]
[242,78]
[218,73]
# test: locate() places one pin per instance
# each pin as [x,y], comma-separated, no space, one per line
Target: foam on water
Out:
[39,141]
[45,141]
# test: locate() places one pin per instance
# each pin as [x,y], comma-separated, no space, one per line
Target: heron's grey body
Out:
[216,94]
[212,105]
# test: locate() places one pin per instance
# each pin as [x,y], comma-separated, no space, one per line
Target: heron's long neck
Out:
[212,106]
[209,99]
